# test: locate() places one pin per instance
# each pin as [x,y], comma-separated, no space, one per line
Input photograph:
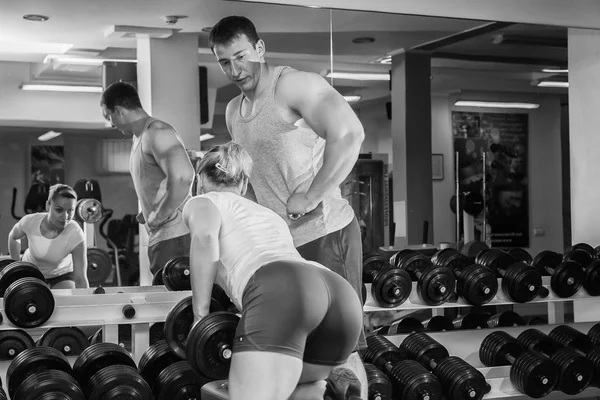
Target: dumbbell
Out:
[435,285]
[410,380]
[520,254]
[179,321]
[459,379]
[176,274]
[390,287]
[530,373]
[209,344]
[476,284]
[520,282]
[571,337]
[380,386]
[575,370]
[439,323]
[584,255]
[28,300]
[471,321]
[13,342]
[566,277]
[39,370]
[472,248]
[403,325]
[106,370]
[583,247]
[168,381]
[504,319]
[70,341]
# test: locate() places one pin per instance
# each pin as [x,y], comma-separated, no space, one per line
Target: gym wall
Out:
[545,191]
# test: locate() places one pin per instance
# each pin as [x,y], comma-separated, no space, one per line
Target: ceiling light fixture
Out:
[554,84]
[83,61]
[359,76]
[555,71]
[352,99]
[206,136]
[49,135]
[36,17]
[61,88]
[495,104]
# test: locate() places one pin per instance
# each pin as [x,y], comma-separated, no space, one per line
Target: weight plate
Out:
[68,340]
[473,203]
[372,265]
[439,323]
[404,325]
[6,262]
[497,347]
[178,323]
[583,246]
[98,356]
[28,303]
[380,386]
[534,375]
[397,258]
[31,361]
[156,358]
[13,342]
[391,287]
[210,344]
[51,384]
[520,254]
[414,382]
[118,382]
[99,266]
[178,381]
[579,256]
[16,271]
[575,371]
[89,210]
[460,380]
[176,274]
[521,283]
[472,248]
[567,279]
[157,279]
[505,319]
[3,394]
[436,285]
[591,280]
[471,321]
[157,332]
[546,260]
[476,284]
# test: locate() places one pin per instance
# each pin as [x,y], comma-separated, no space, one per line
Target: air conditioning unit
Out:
[112,156]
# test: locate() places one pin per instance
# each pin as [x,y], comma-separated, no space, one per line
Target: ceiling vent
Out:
[133,32]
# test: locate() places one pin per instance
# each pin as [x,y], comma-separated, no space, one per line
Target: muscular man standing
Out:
[161,170]
[304,140]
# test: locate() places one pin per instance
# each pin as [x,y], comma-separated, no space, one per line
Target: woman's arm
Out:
[14,241]
[80,262]
[203,219]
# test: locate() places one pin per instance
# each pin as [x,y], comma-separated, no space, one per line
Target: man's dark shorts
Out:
[161,252]
[341,252]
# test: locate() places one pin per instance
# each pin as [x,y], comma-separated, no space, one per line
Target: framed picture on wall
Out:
[437,167]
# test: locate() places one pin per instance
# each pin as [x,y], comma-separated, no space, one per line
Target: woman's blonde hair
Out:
[61,190]
[227,164]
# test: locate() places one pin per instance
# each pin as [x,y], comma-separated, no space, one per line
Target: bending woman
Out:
[56,243]
[299,320]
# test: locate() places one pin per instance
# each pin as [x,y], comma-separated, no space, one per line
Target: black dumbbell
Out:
[575,370]
[380,387]
[537,320]
[13,342]
[583,246]
[26,368]
[571,337]
[28,300]
[566,277]
[504,319]
[520,281]
[435,285]
[439,323]
[476,284]
[70,341]
[580,256]
[410,380]
[209,345]
[403,325]
[530,373]
[584,255]
[49,384]
[520,254]
[390,287]
[459,379]
[107,369]
[471,321]
[176,274]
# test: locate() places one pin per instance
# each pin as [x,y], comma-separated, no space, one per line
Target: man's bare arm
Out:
[171,156]
[331,117]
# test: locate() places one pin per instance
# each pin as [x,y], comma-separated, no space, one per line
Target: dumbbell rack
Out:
[465,343]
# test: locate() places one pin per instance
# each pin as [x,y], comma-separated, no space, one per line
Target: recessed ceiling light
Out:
[361,40]
[207,29]
[36,17]
[556,70]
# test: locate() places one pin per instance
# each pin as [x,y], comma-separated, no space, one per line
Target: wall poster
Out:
[503,137]
[47,169]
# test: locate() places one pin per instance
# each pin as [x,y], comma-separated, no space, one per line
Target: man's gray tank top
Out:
[150,184]
[286,159]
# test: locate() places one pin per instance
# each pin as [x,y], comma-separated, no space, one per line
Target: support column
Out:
[584,120]
[168,85]
[411,137]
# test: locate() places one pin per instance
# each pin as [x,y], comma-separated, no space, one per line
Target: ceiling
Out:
[466,54]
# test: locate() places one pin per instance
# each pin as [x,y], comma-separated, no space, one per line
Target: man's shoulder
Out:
[292,82]
[160,126]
